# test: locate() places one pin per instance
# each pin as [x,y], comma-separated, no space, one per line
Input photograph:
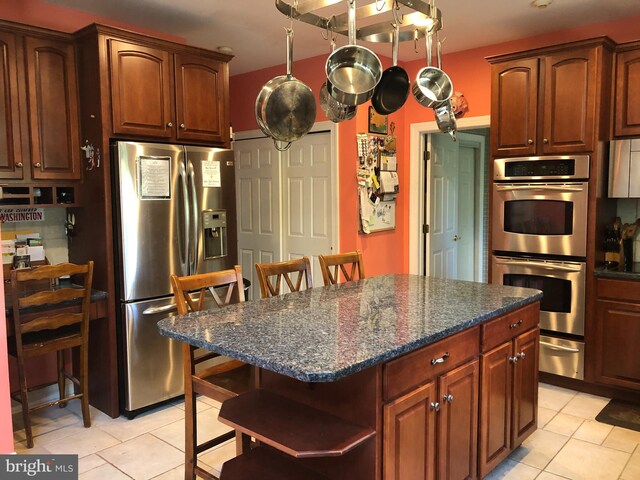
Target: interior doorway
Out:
[455,203]
[420,205]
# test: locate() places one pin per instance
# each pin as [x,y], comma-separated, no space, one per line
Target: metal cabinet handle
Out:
[545,141]
[515,325]
[162,309]
[530,142]
[513,360]
[37,164]
[19,164]
[521,355]
[182,126]
[435,361]
[456,238]
[434,406]
[559,347]
[170,124]
[447,398]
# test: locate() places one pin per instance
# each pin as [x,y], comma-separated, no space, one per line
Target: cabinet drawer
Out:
[506,327]
[628,290]
[413,369]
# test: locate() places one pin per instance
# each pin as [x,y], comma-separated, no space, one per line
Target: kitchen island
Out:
[379,378]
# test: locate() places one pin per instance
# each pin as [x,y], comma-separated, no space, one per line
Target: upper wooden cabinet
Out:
[53,109]
[168,95]
[627,91]
[11,160]
[546,101]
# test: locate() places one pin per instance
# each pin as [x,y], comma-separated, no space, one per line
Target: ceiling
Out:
[257,38]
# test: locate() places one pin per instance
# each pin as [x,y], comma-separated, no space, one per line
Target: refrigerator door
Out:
[152,363]
[212,192]
[153,218]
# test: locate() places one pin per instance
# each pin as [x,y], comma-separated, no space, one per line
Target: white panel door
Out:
[307,191]
[443,208]
[466,211]
[258,206]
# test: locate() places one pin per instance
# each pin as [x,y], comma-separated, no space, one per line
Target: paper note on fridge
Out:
[154,177]
[210,173]
[388,182]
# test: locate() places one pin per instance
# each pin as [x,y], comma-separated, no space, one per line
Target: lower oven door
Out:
[562,357]
[562,284]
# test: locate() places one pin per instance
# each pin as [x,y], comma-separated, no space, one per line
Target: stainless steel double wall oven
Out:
[540,241]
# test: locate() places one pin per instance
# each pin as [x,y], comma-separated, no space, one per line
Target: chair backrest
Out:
[268,273]
[207,283]
[340,263]
[27,290]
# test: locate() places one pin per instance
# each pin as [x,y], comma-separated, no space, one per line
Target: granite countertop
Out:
[327,333]
[634,274]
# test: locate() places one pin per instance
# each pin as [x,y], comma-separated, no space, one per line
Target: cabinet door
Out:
[525,386]
[409,441]
[618,334]
[495,407]
[570,94]
[53,109]
[627,113]
[141,90]
[514,103]
[201,99]
[458,423]
[11,162]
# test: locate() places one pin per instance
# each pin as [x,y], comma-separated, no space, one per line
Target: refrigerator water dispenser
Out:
[214,226]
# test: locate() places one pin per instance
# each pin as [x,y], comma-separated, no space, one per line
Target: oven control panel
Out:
[542,168]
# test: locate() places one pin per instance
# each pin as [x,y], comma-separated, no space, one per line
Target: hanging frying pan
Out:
[393,88]
[285,107]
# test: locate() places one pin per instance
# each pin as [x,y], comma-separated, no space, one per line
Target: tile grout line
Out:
[637,449]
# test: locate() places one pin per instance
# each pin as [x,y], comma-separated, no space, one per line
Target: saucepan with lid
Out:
[352,70]
[285,106]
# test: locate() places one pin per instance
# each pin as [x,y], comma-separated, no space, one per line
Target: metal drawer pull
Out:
[559,347]
[447,398]
[435,361]
[513,360]
[162,309]
[435,406]
[516,325]
[560,188]
[564,267]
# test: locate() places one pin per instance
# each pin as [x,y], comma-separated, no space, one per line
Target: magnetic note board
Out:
[384,217]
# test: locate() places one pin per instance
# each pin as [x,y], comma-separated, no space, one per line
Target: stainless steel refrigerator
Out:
[175,214]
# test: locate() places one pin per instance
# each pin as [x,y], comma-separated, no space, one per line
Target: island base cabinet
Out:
[431,432]
[509,398]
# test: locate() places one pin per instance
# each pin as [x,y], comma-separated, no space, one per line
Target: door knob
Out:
[530,142]
[169,124]
[447,398]
[545,140]
[435,406]
[456,238]
[182,126]
[37,164]
[19,164]
[520,355]
[513,360]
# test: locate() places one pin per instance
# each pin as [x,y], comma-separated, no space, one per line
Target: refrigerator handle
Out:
[195,237]
[183,238]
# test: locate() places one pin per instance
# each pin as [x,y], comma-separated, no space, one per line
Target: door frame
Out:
[418,144]
[318,127]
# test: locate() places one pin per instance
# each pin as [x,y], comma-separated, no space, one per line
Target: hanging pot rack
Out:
[417,17]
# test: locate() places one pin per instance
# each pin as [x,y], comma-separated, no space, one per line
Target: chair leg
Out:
[24,401]
[243,443]
[61,378]
[84,384]
[190,420]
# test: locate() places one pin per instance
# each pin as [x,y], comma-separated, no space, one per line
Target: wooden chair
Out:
[338,262]
[35,332]
[219,382]
[275,272]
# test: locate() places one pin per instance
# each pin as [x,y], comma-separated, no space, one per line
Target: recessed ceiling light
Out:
[225,49]
[541,3]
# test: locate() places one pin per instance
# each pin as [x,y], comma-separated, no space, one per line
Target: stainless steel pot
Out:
[446,119]
[285,106]
[334,110]
[353,71]
[432,85]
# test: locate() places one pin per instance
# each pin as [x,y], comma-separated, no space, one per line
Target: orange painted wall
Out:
[387,252]
[6,428]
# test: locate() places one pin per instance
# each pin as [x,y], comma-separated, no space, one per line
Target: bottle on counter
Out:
[612,247]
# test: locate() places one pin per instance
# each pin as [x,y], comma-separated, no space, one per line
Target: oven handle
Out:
[557,188]
[547,266]
[559,347]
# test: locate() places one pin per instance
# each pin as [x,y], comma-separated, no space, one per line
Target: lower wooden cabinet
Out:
[509,398]
[431,432]
[618,333]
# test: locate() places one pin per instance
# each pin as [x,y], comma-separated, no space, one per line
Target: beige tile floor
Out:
[569,443]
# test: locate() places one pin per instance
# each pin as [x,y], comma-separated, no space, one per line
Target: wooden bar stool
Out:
[36,333]
[219,382]
[268,273]
[339,262]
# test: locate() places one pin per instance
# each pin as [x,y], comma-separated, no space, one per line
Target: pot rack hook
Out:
[415,40]
[329,33]
[379,8]
[397,18]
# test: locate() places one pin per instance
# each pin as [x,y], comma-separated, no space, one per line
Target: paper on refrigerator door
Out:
[211,173]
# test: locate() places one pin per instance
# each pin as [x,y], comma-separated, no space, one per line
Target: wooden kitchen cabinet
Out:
[11,161]
[618,333]
[176,96]
[545,101]
[509,396]
[431,431]
[627,90]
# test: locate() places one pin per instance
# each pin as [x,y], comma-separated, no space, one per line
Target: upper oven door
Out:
[545,218]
